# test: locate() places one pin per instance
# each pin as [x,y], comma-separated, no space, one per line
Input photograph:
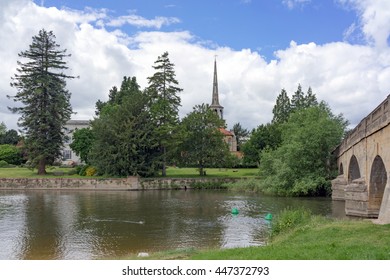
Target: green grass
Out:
[177,172]
[324,240]
[21,172]
[305,237]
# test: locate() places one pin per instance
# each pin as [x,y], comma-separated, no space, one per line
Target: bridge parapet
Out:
[376,120]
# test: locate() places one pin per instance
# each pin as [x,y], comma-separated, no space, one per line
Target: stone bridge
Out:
[363,160]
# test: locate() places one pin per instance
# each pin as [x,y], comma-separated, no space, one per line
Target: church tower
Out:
[215,106]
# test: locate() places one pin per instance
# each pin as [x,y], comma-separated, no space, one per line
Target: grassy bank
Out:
[176,172]
[306,238]
[21,172]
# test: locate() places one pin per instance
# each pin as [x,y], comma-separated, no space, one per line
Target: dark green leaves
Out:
[41,89]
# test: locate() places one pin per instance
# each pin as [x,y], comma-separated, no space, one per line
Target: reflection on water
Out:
[96,225]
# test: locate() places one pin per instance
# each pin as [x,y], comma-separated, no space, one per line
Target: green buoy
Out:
[234,211]
[268,217]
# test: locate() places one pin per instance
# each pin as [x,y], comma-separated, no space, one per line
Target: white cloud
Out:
[374,19]
[139,21]
[344,75]
[291,4]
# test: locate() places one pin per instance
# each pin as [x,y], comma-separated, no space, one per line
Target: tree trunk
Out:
[164,164]
[42,167]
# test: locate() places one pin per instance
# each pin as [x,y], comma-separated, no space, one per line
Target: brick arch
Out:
[378,181]
[353,169]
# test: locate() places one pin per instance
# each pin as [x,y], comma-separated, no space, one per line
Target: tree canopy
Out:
[203,143]
[302,164]
[125,142]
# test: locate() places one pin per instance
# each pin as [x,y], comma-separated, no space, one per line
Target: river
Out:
[108,225]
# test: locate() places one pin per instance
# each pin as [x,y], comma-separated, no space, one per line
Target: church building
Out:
[229,136]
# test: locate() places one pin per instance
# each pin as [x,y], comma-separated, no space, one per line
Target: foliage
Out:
[125,142]
[81,169]
[11,154]
[301,165]
[282,108]
[203,143]
[3,164]
[164,106]
[41,88]
[241,134]
[9,137]
[289,219]
[116,97]
[90,171]
[82,143]
[264,136]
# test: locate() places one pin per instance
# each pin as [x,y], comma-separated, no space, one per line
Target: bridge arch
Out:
[353,169]
[378,181]
[341,169]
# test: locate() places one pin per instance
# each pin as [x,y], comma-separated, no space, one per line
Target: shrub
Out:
[80,169]
[3,164]
[90,171]
[289,219]
[11,154]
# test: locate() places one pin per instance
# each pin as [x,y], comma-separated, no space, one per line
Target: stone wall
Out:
[129,183]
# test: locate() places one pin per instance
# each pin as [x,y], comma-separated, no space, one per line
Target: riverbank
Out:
[65,179]
[172,172]
[314,238]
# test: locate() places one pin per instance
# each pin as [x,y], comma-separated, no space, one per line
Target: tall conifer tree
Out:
[282,108]
[45,102]
[163,92]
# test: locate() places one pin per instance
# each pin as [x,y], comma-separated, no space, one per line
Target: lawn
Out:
[21,172]
[318,238]
[212,172]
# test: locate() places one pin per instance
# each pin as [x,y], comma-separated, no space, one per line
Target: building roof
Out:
[78,122]
[226,132]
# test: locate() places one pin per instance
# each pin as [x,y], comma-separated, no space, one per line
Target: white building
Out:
[68,156]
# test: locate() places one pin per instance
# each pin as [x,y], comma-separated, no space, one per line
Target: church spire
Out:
[215,106]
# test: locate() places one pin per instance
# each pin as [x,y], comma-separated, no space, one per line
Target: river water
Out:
[106,225]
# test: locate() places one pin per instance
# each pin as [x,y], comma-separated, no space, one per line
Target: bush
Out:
[85,170]
[80,169]
[3,164]
[90,171]
[289,219]
[11,154]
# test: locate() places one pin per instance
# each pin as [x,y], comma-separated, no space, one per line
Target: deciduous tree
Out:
[203,143]
[301,164]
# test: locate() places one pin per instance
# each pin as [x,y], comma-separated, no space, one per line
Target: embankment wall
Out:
[130,183]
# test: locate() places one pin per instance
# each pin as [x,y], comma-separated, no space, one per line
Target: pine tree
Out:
[240,133]
[41,89]
[162,90]
[282,108]
[298,99]
[310,99]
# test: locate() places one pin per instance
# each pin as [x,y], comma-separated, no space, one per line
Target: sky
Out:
[339,48]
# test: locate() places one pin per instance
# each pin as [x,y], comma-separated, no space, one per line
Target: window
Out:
[67,154]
